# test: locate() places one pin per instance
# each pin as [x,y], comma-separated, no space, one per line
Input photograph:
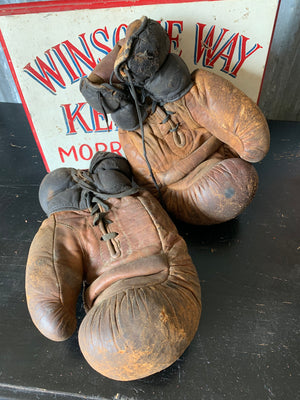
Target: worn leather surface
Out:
[143,322]
[203,168]
[102,71]
[142,293]
[143,51]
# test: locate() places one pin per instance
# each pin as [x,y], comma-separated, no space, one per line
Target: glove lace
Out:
[139,114]
[178,137]
[95,201]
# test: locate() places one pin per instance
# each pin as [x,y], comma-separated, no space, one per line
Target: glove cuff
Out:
[143,51]
[104,98]
[66,189]
[171,82]
[114,100]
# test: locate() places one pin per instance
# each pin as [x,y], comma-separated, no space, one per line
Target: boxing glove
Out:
[106,94]
[141,290]
[200,147]
[195,148]
[200,141]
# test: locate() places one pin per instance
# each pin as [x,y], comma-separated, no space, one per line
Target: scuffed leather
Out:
[179,81]
[142,293]
[203,168]
[228,114]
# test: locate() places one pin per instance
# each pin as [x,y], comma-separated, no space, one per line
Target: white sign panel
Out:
[50,46]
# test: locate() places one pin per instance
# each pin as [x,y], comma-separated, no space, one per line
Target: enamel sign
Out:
[51,45]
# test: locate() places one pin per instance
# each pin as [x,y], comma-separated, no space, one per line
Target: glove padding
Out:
[142,293]
[198,143]
[194,148]
[114,100]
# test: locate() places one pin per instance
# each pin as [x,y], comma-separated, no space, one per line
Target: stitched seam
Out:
[184,109]
[141,200]
[138,149]
[54,262]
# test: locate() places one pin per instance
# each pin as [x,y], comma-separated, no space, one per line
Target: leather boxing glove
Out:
[141,290]
[199,146]
[199,142]
[196,146]
[106,94]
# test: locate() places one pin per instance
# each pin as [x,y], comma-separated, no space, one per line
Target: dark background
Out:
[247,344]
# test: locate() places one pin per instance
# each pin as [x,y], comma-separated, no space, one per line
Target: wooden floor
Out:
[247,345]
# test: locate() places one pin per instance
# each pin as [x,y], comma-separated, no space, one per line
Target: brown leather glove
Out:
[141,290]
[195,148]
[200,147]
[197,145]
[104,92]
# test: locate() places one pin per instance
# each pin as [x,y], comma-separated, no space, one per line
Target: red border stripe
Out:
[68,5]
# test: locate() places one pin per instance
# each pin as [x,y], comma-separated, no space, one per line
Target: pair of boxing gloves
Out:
[189,141]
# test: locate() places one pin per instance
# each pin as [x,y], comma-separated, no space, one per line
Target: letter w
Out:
[76,55]
[207,47]
[45,73]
